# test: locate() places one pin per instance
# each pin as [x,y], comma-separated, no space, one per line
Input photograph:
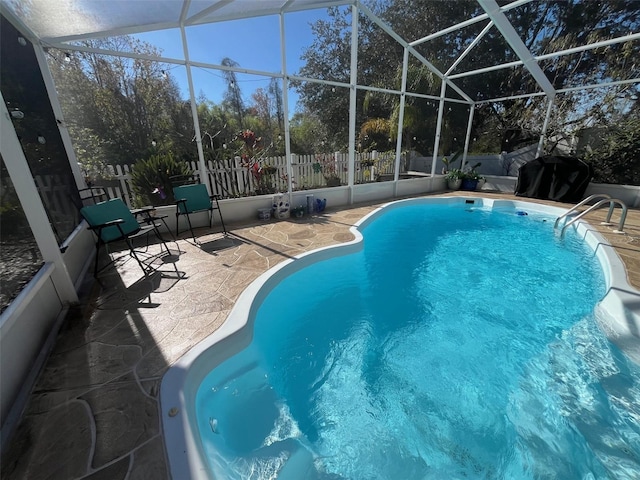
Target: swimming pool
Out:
[339,373]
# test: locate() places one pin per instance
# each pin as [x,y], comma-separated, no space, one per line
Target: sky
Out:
[253,43]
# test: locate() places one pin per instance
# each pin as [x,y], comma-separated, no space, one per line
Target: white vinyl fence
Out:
[230,178]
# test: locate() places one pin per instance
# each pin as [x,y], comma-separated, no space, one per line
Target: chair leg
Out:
[160,237]
[191,228]
[224,229]
[95,267]
[133,253]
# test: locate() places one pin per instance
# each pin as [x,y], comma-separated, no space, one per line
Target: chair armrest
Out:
[143,210]
[214,197]
[146,211]
[151,220]
[108,224]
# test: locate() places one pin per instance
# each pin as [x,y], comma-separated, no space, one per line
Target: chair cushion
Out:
[105,212]
[196,196]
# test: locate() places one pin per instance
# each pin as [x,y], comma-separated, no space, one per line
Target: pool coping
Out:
[618,314]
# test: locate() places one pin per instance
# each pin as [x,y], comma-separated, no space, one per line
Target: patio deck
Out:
[94,413]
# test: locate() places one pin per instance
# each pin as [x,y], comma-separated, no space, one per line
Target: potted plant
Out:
[448,162]
[327,165]
[470,179]
[454,178]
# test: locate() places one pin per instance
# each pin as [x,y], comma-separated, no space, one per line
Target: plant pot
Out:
[469,184]
[454,183]
[333,182]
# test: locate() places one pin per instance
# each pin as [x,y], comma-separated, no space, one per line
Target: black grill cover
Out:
[563,179]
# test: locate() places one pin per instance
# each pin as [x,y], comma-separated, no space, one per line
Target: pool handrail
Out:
[577,205]
[612,204]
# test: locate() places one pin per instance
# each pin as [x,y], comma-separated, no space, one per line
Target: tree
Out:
[328,58]
[545,27]
[616,156]
[233,94]
[275,91]
[116,107]
[308,134]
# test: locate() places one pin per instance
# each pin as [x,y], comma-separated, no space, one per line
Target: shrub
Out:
[151,179]
[616,158]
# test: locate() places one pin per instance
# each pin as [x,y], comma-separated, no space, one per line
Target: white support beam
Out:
[545,125]
[512,97]
[403,89]
[25,188]
[236,69]
[590,46]
[114,32]
[115,53]
[441,75]
[353,99]
[376,89]
[466,23]
[204,174]
[472,109]
[433,97]
[563,90]
[467,50]
[285,105]
[436,142]
[203,13]
[601,85]
[57,112]
[274,10]
[546,56]
[286,6]
[492,68]
[513,39]
[185,11]
[419,56]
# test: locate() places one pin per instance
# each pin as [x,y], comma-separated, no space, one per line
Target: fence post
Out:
[121,176]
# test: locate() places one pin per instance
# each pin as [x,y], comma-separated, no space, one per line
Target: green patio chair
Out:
[193,199]
[112,221]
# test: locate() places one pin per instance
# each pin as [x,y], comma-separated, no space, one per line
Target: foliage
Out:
[450,161]
[252,157]
[116,107]
[328,58]
[151,179]
[327,165]
[233,95]
[375,134]
[454,174]
[470,172]
[617,157]
[506,125]
[308,134]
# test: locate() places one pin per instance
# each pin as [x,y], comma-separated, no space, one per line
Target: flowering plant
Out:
[252,158]
[327,165]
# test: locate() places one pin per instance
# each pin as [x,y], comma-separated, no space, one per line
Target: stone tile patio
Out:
[94,413]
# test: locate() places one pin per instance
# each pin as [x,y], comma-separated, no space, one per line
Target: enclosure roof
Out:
[54,23]
[73,19]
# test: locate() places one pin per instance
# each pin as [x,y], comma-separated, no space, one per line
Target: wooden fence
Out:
[232,179]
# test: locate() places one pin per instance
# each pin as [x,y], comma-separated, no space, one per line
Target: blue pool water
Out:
[458,343]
